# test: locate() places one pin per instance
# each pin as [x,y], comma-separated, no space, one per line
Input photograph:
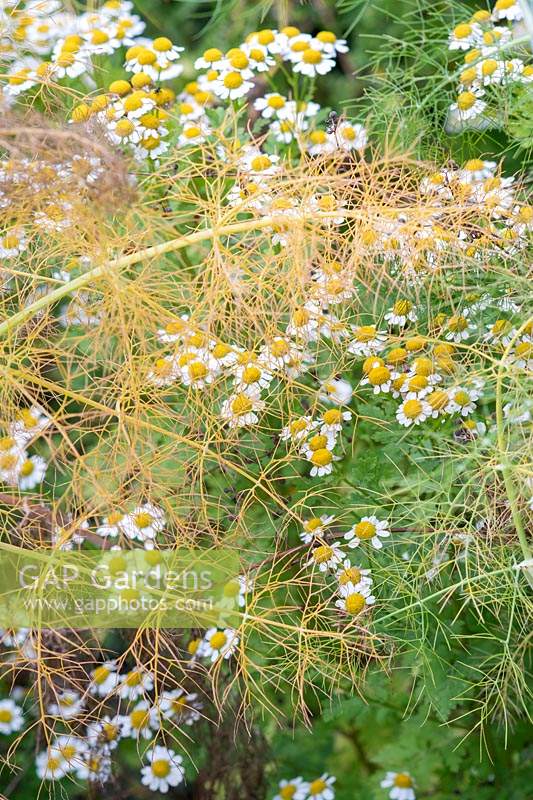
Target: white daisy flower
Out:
[165,769]
[400,785]
[297,429]
[145,522]
[270,104]
[240,409]
[135,683]
[465,36]
[413,411]
[293,789]
[12,243]
[111,525]
[28,423]
[379,378]
[314,528]
[463,401]
[332,421]
[140,722]
[356,576]
[438,399]
[313,61]
[259,165]
[459,329]
[322,788]
[336,391]
[104,679]
[31,472]
[11,718]
[106,732]
[350,137]
[50,766]
[194,132]
[219,643]
[72,749]
[367,340]
[468,105]
[507,9]
[251,378]
[369,529]
[326,557]
[67,705]
[401,313]
[231,86]
[95,767]
[211,59]
[326,40]
[180,706]
[354,599]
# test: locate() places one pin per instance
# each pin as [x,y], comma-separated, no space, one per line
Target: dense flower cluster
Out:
[487,41]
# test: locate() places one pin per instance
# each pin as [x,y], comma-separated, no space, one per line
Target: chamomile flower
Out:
[499,333]
[326,557]
[354,599]
[259,59]
[400,785]
[462,401]
[297,429]
[140,722]
[401,313]
[303,324]
[327,41]
[220,643]
[31,472]
[332,421]
[413,411]
[336,391]
[145,522]
[314,528]
[11,718]
[293,789]
[12,243]
[522,354]
[231,85]
[135,683]
[213,58]
[240,409]
[29,423]
[464,36]
[95,767]
[67,705]
[181,707]
[509,10]
[104,679]
[459,329]
[369,529]
[251,378]
[469,105]
[356,576]
[322,788]
[312,61]
[350,137]
[164,770]
[50,766]
[259,165]
[106,732]
[379,378]
[366,341]
[438,399]
[71,749]
[194,132]
[200,371]
[270,105]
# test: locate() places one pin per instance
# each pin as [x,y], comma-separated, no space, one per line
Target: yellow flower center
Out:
[162,44]
[412,408]
[241,405]
[212,55]
[462,398]
[402,307]
[139,718]
[322,554]
[322,457]
[133,679]
[365,530]
[437,400]
[143,520]
[327,37]
[354,603]
[457,324]
[462,31]
[318,442]
[316,787]
[251,375]
[298,425]
[402,780]
[233,80]
[100,675]
[397,356]
[27,468]
[160,768]
[197,370]
[5,715]
[218,640]
[332,417]
[350,575]
[260,163]
[466,100]
[378,375]
[266,36]
[276,101]
[311,56]
[287,792]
